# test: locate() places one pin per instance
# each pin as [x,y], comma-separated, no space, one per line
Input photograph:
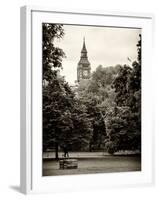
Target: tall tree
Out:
[98,96]
[52,55]
[65,121]
[125,131]
[52,60]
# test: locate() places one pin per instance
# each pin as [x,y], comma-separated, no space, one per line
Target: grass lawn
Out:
[105,164]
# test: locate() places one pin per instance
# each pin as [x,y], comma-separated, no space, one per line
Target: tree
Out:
[52,56]
[82,127]
[125,124]
[65,121]
[57,103]
[98,97]
[52,87]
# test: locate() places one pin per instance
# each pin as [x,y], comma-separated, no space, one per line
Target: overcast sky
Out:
[105,46]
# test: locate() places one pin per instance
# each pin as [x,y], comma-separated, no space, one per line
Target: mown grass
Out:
[106,164]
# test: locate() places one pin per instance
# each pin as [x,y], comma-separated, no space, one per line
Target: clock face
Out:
[85,72]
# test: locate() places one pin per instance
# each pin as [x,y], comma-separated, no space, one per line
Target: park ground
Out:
[90,163]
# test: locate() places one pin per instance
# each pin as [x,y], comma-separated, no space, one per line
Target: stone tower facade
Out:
[84,66]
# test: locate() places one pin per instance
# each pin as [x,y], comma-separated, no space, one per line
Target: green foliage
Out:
[52,56]
[56,115]
[121,85]
[53,89]
[125,123]
[82,130]
[123,130]
[111,147]
[98,97]
[65,121]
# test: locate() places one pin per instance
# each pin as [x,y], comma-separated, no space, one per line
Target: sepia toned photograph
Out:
[91,99]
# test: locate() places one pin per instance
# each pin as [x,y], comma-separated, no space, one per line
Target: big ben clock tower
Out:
[84,67]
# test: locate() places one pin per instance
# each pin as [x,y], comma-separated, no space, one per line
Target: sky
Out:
[106,46]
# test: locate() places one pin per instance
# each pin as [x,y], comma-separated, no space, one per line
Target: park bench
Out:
[67,163]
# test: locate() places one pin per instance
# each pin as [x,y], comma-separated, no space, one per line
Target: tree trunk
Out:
[105,123]
[90,146]
[56,151]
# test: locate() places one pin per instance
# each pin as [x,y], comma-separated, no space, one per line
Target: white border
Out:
[31,101]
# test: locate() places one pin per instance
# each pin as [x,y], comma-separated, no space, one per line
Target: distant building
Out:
[84,66]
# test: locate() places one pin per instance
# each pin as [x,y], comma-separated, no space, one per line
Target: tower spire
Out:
[84,67]
[84,50]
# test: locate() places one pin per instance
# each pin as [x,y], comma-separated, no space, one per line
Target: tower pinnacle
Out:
[84,50]
[84,67]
